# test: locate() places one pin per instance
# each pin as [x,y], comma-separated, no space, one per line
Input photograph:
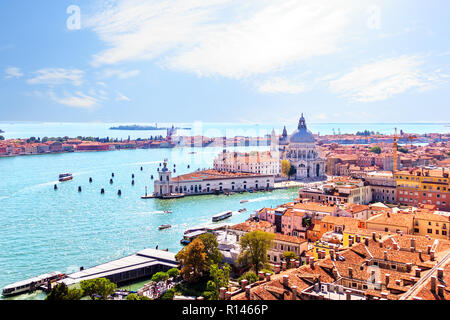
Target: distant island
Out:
[136,127]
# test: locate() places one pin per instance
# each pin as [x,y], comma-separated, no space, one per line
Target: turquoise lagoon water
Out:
[43,230]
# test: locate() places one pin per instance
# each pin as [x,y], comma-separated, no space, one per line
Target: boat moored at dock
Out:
[31,284]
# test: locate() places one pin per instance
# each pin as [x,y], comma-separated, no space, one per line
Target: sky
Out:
[225,61]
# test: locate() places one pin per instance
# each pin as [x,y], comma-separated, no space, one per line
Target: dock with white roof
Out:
[143,264]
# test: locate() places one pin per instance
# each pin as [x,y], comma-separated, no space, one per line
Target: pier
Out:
[143,264]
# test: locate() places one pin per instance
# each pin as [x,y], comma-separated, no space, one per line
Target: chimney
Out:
[420,254]
[286,280]
[268,276]
[440,274]
[244,283]
[311,262]
[228,295]
[429,249]
[350,272]
[277,268]
[374,237]
[408,266]
[385,255]
[441,290]
[433,284]
[247,292]
[297,263]
[294,292]
[380,243]
[432,255]
[413,243]
[418,270]
[384,295]
[350,241]
[358,238]
[387,275]
[292,263]
[338,255]
[366,241]
[348,294]
[332,254]
[261,275]
[283,265]
[398,282]
[222,291]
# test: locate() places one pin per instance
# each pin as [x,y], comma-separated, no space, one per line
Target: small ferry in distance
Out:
[244,201]
[164,226]
[65,177]
[31,284]
[222,216]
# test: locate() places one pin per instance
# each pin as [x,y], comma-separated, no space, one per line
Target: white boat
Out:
[31,284]
[222,216]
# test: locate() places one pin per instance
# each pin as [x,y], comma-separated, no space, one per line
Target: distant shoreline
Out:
[137,127]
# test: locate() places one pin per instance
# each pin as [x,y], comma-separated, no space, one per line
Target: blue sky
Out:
[225,61]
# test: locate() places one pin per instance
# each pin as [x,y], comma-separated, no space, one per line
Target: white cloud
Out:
[121,97]
[13,72]
[230,38]
[383,79]
[121,74]
[77,100]
[56,76]
[281,85]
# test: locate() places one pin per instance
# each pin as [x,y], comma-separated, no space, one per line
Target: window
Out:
[430,230]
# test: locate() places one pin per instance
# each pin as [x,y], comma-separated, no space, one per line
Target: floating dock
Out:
[143,264]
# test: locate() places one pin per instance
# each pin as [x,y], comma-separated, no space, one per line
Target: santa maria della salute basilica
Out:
[299,149]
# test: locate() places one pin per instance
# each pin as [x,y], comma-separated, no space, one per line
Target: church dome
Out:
[302,134]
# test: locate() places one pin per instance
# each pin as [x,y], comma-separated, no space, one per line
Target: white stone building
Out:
[208,182]
[253,162]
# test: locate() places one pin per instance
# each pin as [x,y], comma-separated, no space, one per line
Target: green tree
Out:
[44,139]
[220,277]
[285,167]
[168,295]
[98,289]
[375,149]
[133,296]
[287,256]
[62,292]
[193,260]
[174,272]
[160,276]
[2,138]
[250,276]
[213,254]
[254,247]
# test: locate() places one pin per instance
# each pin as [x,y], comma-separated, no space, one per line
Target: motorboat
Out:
[65,177]
[164,226]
